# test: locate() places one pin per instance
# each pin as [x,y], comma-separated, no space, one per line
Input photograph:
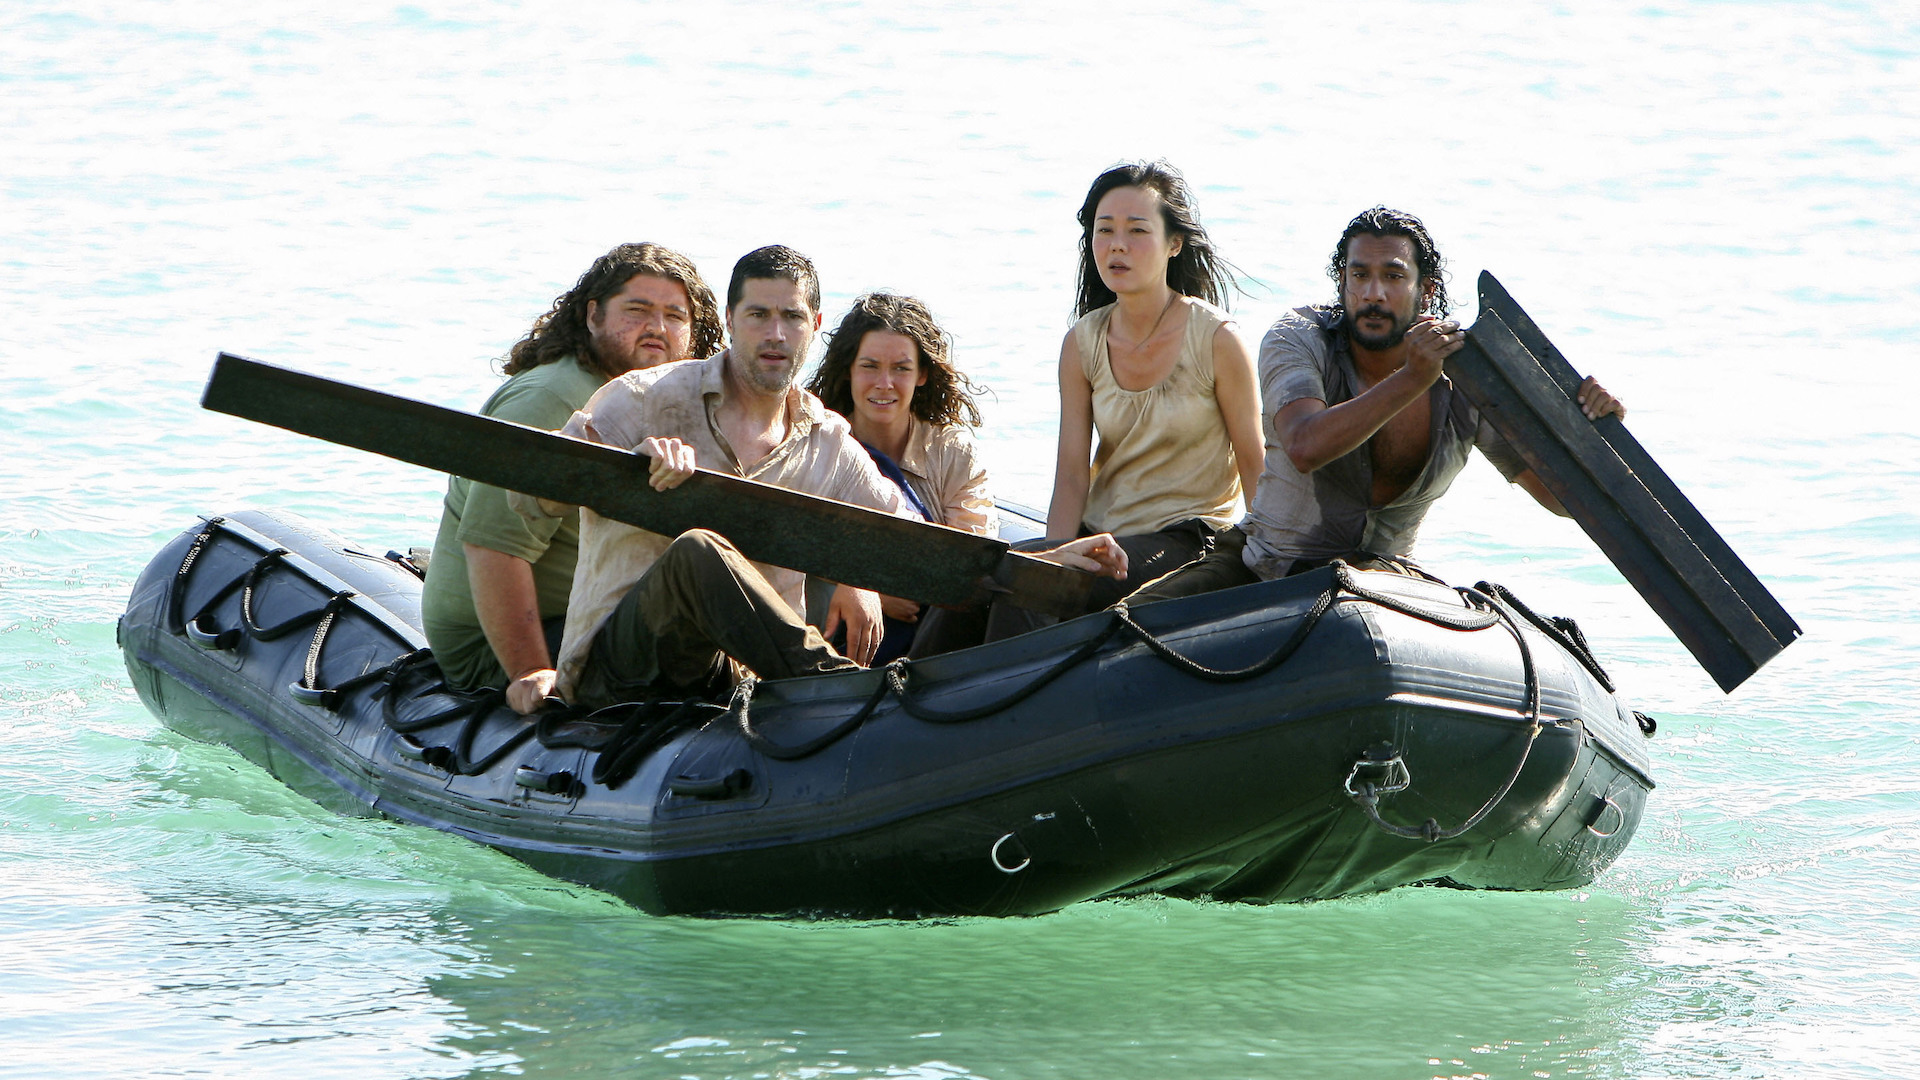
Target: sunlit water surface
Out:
[1711,205]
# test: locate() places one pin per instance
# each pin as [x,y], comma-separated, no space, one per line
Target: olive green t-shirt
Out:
[478,514]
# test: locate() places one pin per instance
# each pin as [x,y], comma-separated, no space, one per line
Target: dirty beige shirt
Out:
[819,456]
[942,463]
[1163,454]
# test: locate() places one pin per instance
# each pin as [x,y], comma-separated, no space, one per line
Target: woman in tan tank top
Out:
[1155,367]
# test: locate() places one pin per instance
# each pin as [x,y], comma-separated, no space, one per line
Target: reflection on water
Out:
[1137,988]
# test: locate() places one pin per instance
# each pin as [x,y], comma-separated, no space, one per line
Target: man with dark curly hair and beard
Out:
[497,585]
[1363,431]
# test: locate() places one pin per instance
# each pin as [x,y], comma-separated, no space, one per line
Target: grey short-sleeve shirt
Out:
[1330,512]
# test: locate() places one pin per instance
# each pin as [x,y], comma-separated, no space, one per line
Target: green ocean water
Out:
[1709,205]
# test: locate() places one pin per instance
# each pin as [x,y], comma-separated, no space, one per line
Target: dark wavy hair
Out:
[775,261]
[946,398]
[563,331]
[1198,269]
[1383,222]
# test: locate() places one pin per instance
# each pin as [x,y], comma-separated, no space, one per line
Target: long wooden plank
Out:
[1495,298]
[1635,532]
[774,525]
[1624,501]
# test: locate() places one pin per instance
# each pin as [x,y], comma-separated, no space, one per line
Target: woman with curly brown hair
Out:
[888,369]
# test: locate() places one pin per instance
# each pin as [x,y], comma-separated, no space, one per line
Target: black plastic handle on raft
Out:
[559,782]
[737,782]
[320,698]
[200,631]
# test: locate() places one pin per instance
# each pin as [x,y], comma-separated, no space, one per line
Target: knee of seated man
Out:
[692,557]
[698,544]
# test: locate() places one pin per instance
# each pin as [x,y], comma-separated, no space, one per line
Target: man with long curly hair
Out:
[497,585]
[1363,431]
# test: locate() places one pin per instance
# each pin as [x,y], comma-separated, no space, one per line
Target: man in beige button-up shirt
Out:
[647,608]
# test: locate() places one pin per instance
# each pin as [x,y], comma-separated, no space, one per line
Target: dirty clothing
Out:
[700,609]
[478,514]
[818,455]
[1163,454]
[942,464]
[1329,513]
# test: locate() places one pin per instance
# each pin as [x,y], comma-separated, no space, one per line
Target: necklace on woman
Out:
[1157,320]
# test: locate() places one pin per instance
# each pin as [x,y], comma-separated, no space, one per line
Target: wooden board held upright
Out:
[1619,495]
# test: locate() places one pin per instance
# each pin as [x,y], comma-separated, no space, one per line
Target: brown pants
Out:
[1223,568]
[696,610]
[1149,556]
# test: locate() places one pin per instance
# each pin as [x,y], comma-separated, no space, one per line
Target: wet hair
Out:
[775,261]
[1383,222]
[1197,270]
[946,398]
[563,330]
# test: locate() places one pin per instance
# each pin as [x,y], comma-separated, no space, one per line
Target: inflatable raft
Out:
[1333,733]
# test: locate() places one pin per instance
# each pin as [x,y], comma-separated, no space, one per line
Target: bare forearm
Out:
[1064,512]
[1249,464]
[508,606]
[1531,483]
[1073,454]
[1318,437]
[1236,389]
[1072,475]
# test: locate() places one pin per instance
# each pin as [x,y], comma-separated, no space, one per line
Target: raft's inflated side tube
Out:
[1386,748]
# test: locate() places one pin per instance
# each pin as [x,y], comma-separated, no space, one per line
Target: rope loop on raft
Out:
[1562,630]
[896,678]
[176,594]
[644,726]
[1485,606]
[1367,794]
[472,709]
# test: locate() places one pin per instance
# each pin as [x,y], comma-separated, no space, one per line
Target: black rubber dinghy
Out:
[1334,733]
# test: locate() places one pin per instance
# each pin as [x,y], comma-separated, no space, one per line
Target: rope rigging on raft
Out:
[623,735]
[1238,746]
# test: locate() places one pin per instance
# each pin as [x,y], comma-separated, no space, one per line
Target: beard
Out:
[617,356]
[1380,342]
[771,382]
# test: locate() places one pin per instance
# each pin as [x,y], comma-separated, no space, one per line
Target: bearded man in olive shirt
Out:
[1363,430]
[497,585]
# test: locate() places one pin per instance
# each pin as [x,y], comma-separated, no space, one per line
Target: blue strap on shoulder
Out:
[892,472]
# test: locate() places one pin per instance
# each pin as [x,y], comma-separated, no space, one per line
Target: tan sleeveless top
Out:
[1163,453]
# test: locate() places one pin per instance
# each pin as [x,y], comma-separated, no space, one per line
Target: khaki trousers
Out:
[697,611]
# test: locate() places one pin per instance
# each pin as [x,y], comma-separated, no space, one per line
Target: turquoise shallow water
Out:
[1708,204]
